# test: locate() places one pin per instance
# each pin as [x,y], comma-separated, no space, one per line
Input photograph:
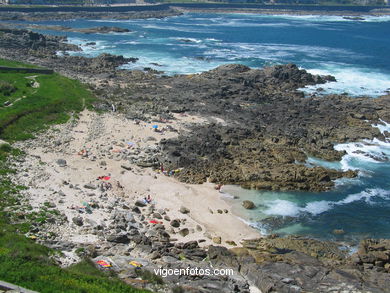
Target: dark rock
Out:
[175,223]
[184,232]
[140,203]
[61,162]
[247,204]
[117,238]
[78,221]
[90,186]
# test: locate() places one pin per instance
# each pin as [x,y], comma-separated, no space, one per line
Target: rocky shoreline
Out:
[41,16]
[256,130]
[268,154]
[90,30]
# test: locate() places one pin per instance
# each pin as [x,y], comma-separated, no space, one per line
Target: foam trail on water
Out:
[330,18]
[372,151]
[354,81]
[255,225]
[287,208]
[383,127]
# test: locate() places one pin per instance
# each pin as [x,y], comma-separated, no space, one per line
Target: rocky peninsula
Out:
[230,125]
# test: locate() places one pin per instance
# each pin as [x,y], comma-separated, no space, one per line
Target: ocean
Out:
[356,52]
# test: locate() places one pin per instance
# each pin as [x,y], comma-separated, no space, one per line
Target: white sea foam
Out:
[358,154]
[330,18]
[90,50]
[237,22]
[280,207]
[177,28]
[272,51]
[187,40]
[169,64]
[352,80]
[383,127]
[257,225]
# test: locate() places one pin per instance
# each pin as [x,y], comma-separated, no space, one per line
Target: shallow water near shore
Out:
[355,209]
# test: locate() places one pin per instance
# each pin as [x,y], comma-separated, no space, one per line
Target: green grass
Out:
[34,109]
[28,264]
[22,261]
[11,63]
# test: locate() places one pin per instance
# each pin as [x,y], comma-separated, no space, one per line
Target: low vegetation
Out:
[31,102]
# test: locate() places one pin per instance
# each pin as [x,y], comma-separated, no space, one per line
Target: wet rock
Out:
[338,231]
[247,204]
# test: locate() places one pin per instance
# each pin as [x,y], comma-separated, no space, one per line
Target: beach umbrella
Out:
[155,126]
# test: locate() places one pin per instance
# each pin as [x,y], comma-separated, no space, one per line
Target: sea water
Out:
[357,207]
[355,52]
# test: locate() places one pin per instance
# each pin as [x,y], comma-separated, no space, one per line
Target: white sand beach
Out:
[94,145]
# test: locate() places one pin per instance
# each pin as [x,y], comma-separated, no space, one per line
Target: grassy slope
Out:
[22,261]
[35,108]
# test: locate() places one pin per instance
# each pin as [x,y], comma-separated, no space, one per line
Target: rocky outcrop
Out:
[269,127]
[99,65]
[296,264]
[18,39]
[90,30]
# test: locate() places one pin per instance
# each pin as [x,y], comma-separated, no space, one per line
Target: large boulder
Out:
[249,205]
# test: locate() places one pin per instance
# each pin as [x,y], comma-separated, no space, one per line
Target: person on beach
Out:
[148,199]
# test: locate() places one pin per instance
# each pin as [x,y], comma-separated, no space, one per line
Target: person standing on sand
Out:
[218,187]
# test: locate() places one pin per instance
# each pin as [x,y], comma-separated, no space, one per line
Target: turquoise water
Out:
[356,52]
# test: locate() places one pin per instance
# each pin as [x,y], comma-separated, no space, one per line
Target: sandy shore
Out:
[104,137]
